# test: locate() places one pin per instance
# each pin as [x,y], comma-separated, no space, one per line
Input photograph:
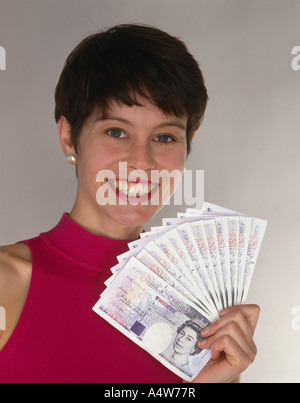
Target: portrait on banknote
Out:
[184,346]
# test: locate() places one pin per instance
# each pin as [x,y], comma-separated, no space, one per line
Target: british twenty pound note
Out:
[157,318]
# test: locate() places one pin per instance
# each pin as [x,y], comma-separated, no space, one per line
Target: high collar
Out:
[75,243]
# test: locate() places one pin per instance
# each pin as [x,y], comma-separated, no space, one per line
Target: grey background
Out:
[248,144]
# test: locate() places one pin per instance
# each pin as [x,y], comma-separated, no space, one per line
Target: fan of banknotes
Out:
[176,278]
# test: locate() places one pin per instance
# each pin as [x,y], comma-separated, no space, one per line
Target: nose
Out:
[180,338]
[141,157]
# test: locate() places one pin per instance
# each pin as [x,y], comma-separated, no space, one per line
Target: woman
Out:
[185,345]
[130,94]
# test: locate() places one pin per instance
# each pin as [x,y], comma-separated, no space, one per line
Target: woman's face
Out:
[144,138]
[185,341]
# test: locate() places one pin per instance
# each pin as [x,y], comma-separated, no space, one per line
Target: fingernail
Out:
[202,342]
[205,331]
[224,312]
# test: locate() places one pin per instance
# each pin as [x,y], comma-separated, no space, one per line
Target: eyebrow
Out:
[174,123]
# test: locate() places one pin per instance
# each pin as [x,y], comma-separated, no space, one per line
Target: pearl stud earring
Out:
[72,159]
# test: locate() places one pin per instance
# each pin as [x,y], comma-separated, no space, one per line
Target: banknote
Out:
[221,224]
[255,229]
[245,224]
[208,277]
[171,244]
[211,278]
[157,318]
[175,279]
[209,241]
[227,229]
[167,265]
[257,232]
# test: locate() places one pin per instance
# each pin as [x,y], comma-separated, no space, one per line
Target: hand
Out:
[231,341]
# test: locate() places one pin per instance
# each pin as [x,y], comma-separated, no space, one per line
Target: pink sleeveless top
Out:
[59,338]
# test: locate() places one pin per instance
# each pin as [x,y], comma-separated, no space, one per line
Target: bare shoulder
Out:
[15,265]
[15,276]
[12,253]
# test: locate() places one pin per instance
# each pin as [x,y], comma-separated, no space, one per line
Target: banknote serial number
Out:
[159,392]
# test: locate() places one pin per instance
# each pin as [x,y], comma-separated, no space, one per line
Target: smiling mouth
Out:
[179,345]
[133,189]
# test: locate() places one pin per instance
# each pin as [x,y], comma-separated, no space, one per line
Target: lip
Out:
[134,200]
[178,344]
[143,182]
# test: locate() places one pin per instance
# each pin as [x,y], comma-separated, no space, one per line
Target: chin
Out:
[135,216]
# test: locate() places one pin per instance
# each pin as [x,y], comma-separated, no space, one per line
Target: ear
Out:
[193,135]
[64,133]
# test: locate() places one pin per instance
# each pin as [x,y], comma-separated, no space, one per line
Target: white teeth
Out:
[132,189]
[122,186]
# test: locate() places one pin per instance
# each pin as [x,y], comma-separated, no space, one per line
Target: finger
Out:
[250,311]
[235,316]
[238,318]
[233,330]
[236,360]
[247,315]
[231,323]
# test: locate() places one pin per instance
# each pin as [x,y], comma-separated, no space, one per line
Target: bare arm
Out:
[15,275]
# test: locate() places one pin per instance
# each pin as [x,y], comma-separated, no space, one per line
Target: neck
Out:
[96,224]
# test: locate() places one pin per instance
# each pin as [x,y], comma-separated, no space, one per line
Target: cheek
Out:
[188,346]
[94,158]
[90,163]
[171,167]
[172,161]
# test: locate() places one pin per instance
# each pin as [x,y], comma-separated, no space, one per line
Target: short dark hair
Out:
[127,63]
